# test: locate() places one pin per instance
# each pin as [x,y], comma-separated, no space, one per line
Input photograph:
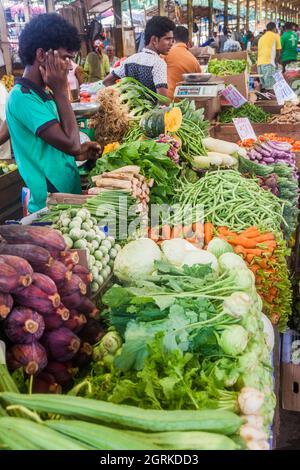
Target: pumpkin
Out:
[160,121]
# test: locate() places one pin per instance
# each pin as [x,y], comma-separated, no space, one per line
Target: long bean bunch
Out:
[191,135]
[229,199]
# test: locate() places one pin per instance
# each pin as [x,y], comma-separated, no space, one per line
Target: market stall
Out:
[145,313]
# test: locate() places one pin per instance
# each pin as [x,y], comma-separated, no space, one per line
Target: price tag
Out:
[233,96]
[278,76]
[283,92]
[244,128]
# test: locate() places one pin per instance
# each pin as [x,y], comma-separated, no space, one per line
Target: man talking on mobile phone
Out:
[41,123]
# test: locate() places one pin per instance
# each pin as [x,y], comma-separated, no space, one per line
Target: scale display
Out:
[197,91]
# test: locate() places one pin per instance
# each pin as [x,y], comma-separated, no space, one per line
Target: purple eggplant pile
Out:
[47,320]
[269,152]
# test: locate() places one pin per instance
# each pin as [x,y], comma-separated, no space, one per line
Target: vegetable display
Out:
[229,199]
[111,120]
[41,303]
[137,97]
[161,121]
[224,67]
[247,110]
[189,332]
[153,161]
[289,114]
[127,179]
[282,180]
[265,255]
[80,231]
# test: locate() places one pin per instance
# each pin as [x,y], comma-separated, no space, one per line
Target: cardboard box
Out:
[290,371]
[11,185]
[212,106]
[241,80]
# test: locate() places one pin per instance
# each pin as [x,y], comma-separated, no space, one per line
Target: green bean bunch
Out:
[231,200]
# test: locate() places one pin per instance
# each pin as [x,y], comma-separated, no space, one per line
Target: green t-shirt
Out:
[29,110]
[289,42]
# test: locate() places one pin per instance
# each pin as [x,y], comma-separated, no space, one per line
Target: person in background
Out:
[269,48]
[146,66]
[180,60]
[231,45]
[75,79]
[42,124]
[110,51]
[222,39]
[289,45]
[97,63]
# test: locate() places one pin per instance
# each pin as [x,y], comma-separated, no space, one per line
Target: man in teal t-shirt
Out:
[289,43]
[41,124]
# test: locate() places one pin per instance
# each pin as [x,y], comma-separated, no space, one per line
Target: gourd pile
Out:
[48,321]
[80,231]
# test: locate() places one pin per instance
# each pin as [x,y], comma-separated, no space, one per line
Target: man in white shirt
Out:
[146,66]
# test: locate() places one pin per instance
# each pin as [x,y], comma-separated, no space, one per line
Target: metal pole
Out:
[161,7]
[190,18]
[4,40]
[49,5]
[238,15]
[119,45]
[247,14]
[210,16]
[27,12]
[130,14]
[225,13]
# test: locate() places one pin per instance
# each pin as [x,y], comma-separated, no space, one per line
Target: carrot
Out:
[254,251]
[222,230]
[250,230]
[265,237]
[249,258]
[268,244]
[193,239]
[153,233]
[198,229]
[187,231]
[166,232]
[208,232]
[263,263]
[254,268]
[243,241]
[176,231]
[240,250]
[274,291]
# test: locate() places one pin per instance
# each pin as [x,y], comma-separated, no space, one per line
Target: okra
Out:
[129,417]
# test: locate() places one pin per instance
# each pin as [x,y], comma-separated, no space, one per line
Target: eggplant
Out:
[45,283]
[74,285]
[40,236]
[35,255]
[10,279]
[58,272]
[88,307]
[76,321]
[92,332]
[37,299]
[61,344]
[45,383]
[72,301]
[61,371]
[84,274]
[24,325]
[6,304]
[84,355]
[69,258]
[32,357]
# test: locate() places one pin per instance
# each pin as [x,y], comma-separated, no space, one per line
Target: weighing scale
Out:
[204,93]
[84,111]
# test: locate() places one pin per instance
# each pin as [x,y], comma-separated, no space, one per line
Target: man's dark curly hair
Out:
[47,31]
[158,26]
